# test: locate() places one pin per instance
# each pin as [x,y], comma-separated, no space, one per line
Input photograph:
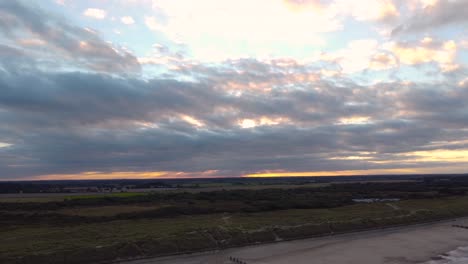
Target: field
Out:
[97,228]
[59,197]
[192,188]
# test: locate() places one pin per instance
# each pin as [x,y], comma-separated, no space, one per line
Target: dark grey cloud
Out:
[73,121]
[443,13]
[48,36]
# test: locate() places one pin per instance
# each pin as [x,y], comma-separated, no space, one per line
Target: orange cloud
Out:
[383,61]
[99,175]
[457,155]
[394,171]
[427,50]
[332,173]
[192,120]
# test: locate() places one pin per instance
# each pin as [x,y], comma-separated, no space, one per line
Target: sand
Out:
[412,244]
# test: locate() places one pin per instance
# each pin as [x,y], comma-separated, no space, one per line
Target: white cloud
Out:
[32,42]
[95,13]
[259,24]
[354,120]
[153,24]
[357,56]
[368,10]
[127,20]
[365,54]
[262,121]
[464,44]
[428,3]
[463,82]
[4,145]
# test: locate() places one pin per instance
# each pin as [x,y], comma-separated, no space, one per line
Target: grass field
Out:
[58,197]
[110,210]
[43,243]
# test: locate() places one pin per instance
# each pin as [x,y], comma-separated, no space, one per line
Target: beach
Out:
[427,243]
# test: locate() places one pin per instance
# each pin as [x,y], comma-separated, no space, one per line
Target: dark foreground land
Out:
[104,228]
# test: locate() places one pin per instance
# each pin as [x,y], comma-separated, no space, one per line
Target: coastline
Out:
[417,243]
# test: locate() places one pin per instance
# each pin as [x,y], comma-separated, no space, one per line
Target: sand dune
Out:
[413,244]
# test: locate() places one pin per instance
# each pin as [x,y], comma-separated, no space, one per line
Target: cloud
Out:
[127,20]
[364,10]
[383,60]
[362,55]
[306,4]
[369,10]
[463,82]
[4,145]
[76,105]
[426,50]
[70,123]
[229,24]
[436,15]
[357,55]
[369,54]
[464,44]
[61,43]
[95,13]
[152,23]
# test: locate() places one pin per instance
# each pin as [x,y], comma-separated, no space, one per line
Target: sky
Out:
[102,89]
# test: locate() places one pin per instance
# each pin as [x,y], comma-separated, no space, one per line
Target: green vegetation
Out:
[94,229]
[110,210]
[104,195]
[46,198]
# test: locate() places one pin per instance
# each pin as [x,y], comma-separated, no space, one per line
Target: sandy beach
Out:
[412,244]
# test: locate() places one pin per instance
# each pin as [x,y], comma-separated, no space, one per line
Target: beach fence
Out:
[237,260]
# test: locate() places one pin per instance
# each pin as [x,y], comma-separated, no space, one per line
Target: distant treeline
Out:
[60,186]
